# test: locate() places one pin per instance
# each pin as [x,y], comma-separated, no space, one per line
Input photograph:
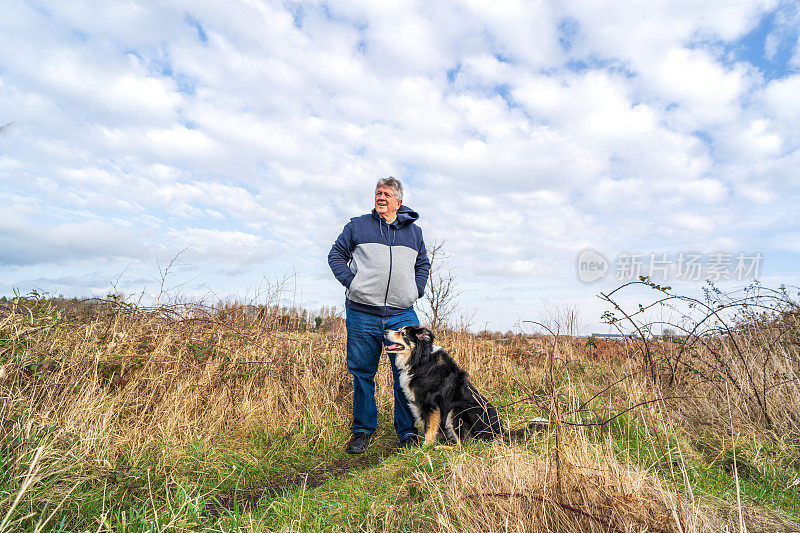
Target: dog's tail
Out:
[535,424]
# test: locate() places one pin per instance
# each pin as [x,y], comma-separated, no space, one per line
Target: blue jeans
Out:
[364,341]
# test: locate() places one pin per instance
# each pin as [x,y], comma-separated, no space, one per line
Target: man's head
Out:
[388,197]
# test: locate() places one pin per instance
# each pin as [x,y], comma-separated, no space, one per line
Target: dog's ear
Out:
[423,334]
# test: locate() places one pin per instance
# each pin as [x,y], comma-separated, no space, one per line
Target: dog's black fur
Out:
[439,392]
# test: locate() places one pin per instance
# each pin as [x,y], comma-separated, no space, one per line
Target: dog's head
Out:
[409,343]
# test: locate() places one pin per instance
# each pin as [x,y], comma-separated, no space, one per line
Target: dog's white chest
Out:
[405,379]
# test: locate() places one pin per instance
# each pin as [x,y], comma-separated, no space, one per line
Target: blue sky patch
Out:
[592,62]
[453,73]
[770,46]
[296,10]
[186,84]
[707,139]
[80,35]
[567,31]
[201,32]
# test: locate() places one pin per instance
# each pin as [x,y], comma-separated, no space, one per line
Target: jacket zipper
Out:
[386,298]
[389,281]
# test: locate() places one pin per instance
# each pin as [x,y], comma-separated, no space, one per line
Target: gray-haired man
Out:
[380,258]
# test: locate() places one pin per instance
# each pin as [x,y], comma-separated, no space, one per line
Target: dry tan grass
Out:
[517,490]
[129,381]
[116,382]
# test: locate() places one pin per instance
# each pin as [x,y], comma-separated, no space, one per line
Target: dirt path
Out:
[249,497]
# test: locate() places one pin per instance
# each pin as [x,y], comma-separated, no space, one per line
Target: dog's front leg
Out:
[455,431]
[432,426]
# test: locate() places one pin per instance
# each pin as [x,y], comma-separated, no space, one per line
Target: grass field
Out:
[183,417]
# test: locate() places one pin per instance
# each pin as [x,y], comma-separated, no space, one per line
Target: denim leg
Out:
[403,418]
[364,335]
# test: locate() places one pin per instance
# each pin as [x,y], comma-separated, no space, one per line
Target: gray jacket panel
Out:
[371,266]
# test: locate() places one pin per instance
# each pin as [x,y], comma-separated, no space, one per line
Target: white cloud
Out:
[758,193]
[25,241]
[693,79]
[251,133]
[639,33]
[780,97]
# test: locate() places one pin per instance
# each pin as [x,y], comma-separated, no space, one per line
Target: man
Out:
[381,259]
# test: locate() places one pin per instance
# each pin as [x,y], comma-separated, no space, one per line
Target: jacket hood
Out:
[405,216]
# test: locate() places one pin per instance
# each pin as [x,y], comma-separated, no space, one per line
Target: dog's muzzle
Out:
[394,346]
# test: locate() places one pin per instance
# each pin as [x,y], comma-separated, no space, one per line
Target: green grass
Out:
[768,476]
[236,484]
[220,476]
[240,481]
[765,478]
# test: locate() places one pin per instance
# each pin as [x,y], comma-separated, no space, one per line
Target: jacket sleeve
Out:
[422,268]
[340,255]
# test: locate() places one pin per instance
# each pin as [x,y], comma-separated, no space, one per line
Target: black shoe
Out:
[358,443]
[409,441]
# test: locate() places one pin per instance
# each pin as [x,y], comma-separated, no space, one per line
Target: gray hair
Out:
[394,184]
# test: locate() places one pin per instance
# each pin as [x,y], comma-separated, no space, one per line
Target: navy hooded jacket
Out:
[384,267]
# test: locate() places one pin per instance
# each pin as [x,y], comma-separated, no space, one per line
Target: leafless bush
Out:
[745,343]
[440,304]
[564,318]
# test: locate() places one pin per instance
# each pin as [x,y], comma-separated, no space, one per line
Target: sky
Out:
[234,140]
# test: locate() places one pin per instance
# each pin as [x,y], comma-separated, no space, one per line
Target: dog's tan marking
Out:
[401,356]
[432,426]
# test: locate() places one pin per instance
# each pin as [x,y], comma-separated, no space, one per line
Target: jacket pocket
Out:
[366,287]
[403,285]
[371,265]
[404,301]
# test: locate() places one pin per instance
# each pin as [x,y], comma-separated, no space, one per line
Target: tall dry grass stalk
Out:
[577,481]
[757,364]
[106,390]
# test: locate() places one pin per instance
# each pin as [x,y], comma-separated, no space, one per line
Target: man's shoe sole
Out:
[355,452]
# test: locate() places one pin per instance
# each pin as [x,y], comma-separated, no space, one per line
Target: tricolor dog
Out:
[439,392]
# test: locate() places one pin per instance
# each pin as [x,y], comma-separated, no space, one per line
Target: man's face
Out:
[386,203]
